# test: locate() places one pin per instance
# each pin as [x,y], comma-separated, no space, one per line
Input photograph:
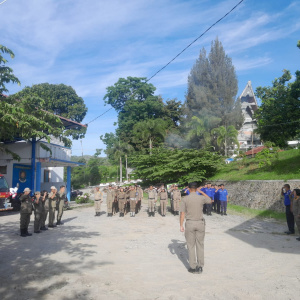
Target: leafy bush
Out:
[85,198]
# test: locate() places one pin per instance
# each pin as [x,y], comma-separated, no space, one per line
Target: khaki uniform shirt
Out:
[110,195]
[98,195]
[132,194]
[121,196]
[176,195]
[152,194]
[192,206]
[140,191]
[163,196]
[38,207]
[26,204]
[296,207]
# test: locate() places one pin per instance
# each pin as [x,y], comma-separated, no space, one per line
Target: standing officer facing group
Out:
[192,211]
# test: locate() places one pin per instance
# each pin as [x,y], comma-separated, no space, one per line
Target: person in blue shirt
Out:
[203,189]
[186,190]
[287,194]
[216,199]
[214,204]
[223,197]
[210,192]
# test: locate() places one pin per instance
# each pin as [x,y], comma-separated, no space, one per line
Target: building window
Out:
[3,169]
[46,175]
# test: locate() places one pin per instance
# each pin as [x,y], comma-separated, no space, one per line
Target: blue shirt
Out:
[202,190]
[222,194]
[187,192]
[287,200]
[210,192]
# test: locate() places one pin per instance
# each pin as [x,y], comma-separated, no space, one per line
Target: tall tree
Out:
[151,131]
[212,89]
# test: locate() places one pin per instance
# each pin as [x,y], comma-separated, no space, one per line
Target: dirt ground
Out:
[146,258]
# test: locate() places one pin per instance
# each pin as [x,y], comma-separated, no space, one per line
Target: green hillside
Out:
[286,167]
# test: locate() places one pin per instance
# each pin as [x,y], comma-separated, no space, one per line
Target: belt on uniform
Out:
[132,199]
[98,200]
[196,220]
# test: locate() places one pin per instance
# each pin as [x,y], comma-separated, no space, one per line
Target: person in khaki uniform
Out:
[45,210]
[296,209]
[139,198]
[25,213]
[163,196]
[109,200]
[132,194]
[38,211]
[176,199]
[192,210]
[60,202]
[98,196]
[152,198]
[122,200]
[53,196]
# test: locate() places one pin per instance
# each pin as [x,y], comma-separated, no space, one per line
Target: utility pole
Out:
[81,148]
[252,142]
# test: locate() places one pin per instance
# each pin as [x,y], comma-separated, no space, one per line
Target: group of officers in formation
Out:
[125,200]
[42,203]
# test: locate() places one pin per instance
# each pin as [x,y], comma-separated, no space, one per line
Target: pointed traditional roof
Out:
[248,96]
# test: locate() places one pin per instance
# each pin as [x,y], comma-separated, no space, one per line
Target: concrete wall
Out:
[258,194]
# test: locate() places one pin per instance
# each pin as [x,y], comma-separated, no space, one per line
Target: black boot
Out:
[23,233]
[44,228]
[27,233]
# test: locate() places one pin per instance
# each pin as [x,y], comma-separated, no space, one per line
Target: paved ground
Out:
[146,258]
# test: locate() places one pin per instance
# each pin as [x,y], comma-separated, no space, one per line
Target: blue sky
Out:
[90,44]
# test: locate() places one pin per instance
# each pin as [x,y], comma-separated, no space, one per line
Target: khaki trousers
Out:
[37,220]
[176,205]
[109,206]
[194,235]
[60,210]
[97,206]
[297,220]
[151,205]
[51,215]
[44,217]
[132,205]
[163,207]
[122,205]
[24,220]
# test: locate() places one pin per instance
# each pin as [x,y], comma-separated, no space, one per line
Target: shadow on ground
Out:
[178,248]
[262,232]
[24,262]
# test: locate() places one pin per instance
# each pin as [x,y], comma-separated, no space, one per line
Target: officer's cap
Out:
[27,190]
[53,188]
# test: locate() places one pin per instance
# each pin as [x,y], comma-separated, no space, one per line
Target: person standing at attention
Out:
[53,197]
[191,209]
[98,195]
[223,198]
[296,210]
[287,194]
[25,212]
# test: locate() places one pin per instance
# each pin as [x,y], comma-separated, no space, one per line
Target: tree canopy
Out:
[212,90]
[278,116]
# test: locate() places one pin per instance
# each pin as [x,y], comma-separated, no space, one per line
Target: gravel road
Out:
[146,258]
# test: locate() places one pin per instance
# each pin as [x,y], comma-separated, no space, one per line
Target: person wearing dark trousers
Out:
[217,200]
[287,194]
[223,198]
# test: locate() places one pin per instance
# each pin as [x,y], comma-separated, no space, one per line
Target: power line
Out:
[189,45]
[3,2]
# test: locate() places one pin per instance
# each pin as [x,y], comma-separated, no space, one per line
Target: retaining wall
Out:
[258,194]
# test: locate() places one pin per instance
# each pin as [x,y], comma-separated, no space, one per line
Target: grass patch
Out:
[256,213]
[286,167]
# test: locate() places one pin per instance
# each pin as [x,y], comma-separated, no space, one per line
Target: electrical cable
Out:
[194,41]
[3,2]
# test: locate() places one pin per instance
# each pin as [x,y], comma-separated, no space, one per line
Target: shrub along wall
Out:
[258,194]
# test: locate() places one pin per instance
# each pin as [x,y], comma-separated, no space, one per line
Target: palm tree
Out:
[149,130]
[225,136]
[198,129]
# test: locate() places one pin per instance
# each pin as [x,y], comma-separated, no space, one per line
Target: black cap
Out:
[193,185]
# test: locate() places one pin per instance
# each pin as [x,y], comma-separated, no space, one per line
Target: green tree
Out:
[197,130]
[59,99]
[212,89]
[225,137]
[150,131]
[6,73]
[181,166]
[278,115]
